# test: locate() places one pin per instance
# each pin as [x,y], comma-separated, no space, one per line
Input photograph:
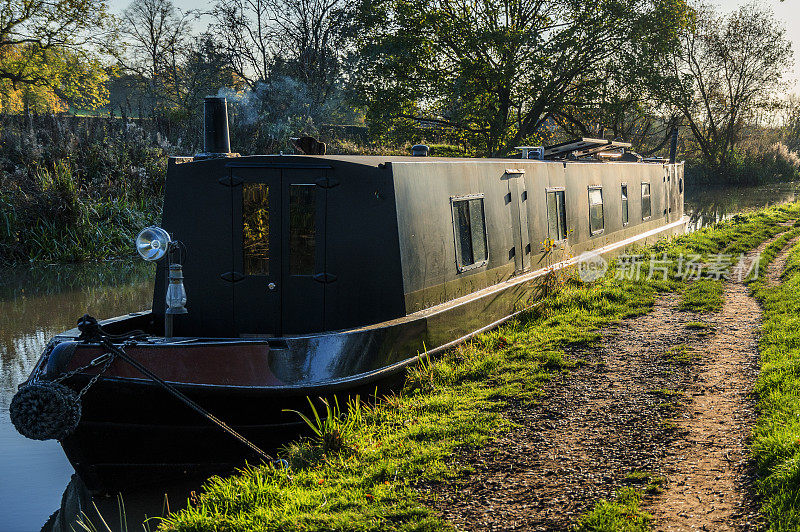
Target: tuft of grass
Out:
[697,325]
[653,484]
[623,514]
[681,354]
[703,295]
[665,392]
[334,429]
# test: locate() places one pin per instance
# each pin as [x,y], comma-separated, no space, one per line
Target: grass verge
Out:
[776,437]
[370,479]
[704,295]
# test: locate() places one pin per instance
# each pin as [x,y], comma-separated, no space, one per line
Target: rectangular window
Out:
[596,222]
[556,215]
[470,233]
[255,228]
[302,229]
[645,201]
[624,204]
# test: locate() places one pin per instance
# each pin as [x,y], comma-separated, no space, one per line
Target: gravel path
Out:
[594,425]
[707,467]
[656,397]
[776,267]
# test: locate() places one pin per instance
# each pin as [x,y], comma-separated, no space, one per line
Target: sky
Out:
[787,11]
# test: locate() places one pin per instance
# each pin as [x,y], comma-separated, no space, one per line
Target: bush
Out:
[76,188]
[753,164]
[447,150]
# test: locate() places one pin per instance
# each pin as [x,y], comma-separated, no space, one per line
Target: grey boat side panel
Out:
[424,190]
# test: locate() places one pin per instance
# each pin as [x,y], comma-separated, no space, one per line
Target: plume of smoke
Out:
[279,108]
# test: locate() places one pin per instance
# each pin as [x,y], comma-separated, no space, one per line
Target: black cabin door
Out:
[303,251]
[278,237]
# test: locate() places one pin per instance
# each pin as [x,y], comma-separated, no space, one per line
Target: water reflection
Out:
[136,511]
[708,205]
[36,303]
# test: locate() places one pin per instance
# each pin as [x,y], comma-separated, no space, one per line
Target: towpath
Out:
[663,405]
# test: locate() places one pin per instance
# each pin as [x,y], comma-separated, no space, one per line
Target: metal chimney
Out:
[215,126]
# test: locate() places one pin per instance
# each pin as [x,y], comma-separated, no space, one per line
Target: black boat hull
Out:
[134,433]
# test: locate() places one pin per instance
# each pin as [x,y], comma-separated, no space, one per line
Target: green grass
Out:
[776,437]
[698,326]
[652,483]
[681,354]
[370,479]
[704,295]
[619,515]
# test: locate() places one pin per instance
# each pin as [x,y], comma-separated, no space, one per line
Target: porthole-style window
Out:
[596,221]
[645,201]
[469,226]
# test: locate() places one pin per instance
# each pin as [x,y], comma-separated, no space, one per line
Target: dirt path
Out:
[707,466]
[593,427]
[658,397]
[777,266]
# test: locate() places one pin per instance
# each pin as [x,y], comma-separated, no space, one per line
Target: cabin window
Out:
[556,215]
[302,232]
[624,204]
[596,222]
[645,201]
[470,232]
[255,228]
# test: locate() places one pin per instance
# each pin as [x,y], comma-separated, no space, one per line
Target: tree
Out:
[501,71]
[48,48]
[300,39]
[726,70]
[205,71]
[243,29]
[159,36]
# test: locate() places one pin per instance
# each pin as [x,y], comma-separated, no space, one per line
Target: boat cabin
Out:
[295,245]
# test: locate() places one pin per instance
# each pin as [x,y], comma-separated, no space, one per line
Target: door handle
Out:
[272,286]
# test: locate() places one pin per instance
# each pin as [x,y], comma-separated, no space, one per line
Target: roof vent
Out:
[531,152]
[419,150]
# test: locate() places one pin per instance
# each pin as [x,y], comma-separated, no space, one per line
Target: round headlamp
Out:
[152,243]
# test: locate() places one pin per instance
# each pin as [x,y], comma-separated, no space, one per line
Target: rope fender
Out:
[45,410]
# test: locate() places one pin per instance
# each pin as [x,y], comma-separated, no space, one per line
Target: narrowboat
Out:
[298,276]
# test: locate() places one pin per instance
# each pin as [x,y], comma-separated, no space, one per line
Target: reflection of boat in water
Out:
[321,275]
[136,509]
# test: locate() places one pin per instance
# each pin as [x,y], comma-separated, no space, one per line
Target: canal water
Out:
[38,302]
[707,205]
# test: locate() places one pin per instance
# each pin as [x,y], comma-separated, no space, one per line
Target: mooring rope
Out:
[91,330]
